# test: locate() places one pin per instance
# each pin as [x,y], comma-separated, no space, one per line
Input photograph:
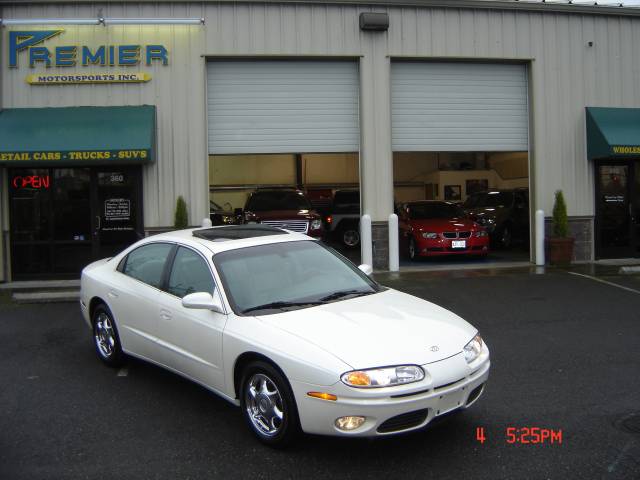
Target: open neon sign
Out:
[31,181]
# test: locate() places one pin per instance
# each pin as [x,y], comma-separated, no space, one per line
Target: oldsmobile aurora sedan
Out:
[286,328]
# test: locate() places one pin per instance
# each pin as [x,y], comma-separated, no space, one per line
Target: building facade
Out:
[450,96]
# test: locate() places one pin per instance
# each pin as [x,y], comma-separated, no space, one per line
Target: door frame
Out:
[601,251]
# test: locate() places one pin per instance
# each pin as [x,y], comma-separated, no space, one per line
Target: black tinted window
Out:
[189,274]
[423,211]
[147,263]
[278,200]
[490,199]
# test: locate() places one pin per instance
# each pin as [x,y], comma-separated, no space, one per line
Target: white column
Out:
[539,237]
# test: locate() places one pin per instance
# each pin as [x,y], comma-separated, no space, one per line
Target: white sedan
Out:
[286,328]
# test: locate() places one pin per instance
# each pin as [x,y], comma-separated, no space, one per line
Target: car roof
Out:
[230,237]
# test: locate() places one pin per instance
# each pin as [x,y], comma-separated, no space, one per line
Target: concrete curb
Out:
[630,270]
[46,297]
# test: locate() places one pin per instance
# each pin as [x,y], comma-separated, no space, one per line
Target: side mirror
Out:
[203,301]
[367,269]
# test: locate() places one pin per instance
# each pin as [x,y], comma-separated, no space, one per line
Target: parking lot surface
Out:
[565,356]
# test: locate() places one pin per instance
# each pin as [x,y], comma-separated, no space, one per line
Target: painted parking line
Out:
[596,279]
[123,372]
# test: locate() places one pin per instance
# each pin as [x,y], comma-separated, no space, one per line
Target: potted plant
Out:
[181,219]
[560,244]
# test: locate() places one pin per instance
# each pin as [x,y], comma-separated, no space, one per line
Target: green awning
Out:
[77,136]
[613,132]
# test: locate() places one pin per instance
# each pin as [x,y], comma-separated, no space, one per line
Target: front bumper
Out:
[451,384]
[443,246]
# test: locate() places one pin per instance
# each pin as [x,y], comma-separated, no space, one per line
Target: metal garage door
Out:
[282,106]
[458,107]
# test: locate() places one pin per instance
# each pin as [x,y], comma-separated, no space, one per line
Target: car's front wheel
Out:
[268,405]
[413,249]
[106,338]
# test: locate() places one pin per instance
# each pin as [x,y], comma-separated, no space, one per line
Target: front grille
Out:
[456,234]
[404,421]
[300,226]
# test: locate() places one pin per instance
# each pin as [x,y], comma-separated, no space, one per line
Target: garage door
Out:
[282,107]
[458,107]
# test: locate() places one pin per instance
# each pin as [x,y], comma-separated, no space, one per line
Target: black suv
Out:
[504,213]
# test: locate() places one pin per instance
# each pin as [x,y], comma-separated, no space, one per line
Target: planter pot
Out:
[560,250]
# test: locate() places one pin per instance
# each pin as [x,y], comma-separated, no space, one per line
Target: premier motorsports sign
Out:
[28,46]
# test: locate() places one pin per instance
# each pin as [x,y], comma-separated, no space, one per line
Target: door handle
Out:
[112,294]
[165,314]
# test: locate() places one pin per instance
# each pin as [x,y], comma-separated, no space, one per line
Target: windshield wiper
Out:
[344,293]
[280,305]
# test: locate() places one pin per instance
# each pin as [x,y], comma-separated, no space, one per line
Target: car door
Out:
[133,298]
[190,339]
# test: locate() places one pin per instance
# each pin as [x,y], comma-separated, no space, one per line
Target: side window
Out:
[189,274]
[147,263]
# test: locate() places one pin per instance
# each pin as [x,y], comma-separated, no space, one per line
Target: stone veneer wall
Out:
[380,238]
[581,229]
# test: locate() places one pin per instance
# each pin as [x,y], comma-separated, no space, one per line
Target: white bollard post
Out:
[394,252]
[206,222]
[539,238]
[365,239]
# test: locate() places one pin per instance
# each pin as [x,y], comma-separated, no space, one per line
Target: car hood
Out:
[486,212]
[388,328]
[285,215]
[443,224]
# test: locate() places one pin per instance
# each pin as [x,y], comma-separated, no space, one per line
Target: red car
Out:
[431,228]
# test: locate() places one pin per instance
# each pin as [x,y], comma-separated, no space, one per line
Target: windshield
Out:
[489,199]
[268,279]
[284,200]
[424,211]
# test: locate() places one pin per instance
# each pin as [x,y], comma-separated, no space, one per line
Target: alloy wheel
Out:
[105,336]
[351,238]
[264,405]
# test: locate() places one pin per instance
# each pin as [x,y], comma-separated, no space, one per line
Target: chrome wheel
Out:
[104,335]
[264,405]
[351,238]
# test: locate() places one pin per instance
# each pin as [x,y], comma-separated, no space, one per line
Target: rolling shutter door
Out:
[458,107]
[282,106]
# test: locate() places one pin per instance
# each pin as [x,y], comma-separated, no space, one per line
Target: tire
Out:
[350,236]
[268,405]
[412,250]
[105,337]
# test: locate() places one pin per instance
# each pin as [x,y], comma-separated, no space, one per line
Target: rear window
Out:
[347,197]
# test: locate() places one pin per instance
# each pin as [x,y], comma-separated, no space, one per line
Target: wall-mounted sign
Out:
[75,155]
[627,150]
[57,79]
[31,44]
[36,182]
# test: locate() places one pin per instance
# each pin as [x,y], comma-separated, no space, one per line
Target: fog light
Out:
[349,423]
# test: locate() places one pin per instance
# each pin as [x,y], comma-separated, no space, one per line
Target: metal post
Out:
[365,237]
[539,238]
[206,222]
[394,252]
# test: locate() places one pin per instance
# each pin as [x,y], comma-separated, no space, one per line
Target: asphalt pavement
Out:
[565,356]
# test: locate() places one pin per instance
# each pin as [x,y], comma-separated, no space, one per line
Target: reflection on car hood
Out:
[388,328]
[487,212]
[286,215]
[443,225]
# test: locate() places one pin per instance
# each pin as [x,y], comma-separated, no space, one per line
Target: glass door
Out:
[615,237]
[117,215]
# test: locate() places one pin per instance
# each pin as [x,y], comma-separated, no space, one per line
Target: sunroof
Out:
[237,232]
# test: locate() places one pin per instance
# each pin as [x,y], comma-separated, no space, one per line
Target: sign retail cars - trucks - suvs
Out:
[284,327]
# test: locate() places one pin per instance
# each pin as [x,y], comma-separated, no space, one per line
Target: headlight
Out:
[480,233]
[316,224]
[383,377]
[473,348]
[430,235]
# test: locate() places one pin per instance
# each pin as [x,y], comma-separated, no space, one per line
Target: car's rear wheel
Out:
[351,237]
[506,237]
[106,338]
[268,405]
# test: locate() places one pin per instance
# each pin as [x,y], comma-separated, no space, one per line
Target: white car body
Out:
[312,346]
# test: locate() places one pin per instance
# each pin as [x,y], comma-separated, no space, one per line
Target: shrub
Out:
[181,219]
[560,219]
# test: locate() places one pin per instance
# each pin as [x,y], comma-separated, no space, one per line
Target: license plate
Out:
[449,402]
[458,244]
